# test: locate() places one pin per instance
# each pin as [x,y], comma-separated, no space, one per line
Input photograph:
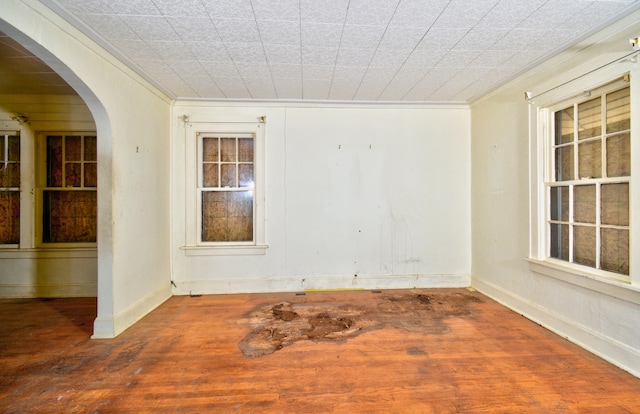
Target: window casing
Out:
[588,184]
[225,212]
[9,189]
[68,189]
[581,187]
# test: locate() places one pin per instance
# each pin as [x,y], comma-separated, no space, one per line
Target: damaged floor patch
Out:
[280,325]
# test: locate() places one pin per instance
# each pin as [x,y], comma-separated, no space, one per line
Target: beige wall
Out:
[602,316]
[357,196]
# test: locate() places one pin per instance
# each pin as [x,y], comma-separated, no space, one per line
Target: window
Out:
[9,189]
[69,192]
[588,180]
[226,187]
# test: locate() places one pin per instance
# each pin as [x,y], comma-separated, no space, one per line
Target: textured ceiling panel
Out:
[372,50]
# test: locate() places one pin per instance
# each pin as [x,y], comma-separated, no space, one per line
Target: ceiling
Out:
[23,73]
[338,50]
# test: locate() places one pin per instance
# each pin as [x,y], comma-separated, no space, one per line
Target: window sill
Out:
[225,250]
[613,288]
[67,253]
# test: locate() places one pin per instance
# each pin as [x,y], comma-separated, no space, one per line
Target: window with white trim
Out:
[9,188]
[68,189]
[587,183]
[225,189]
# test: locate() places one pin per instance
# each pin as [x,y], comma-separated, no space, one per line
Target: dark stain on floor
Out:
[282,324]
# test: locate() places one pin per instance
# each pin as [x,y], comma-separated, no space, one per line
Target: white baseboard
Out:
[70,290]
[112,326]
[298,284]
[609,349]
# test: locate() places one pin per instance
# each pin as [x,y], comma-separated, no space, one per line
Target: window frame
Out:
[41,187]
[539,150]
[195,132]
[550,181]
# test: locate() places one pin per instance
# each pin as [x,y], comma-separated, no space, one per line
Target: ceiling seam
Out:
[429,71]
[264,52]
[300,45]
[409,55]
[335,63]
[376,50]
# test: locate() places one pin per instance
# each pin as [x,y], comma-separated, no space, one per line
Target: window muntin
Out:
[69,198]
[226,188]
[9,188]
[588,212]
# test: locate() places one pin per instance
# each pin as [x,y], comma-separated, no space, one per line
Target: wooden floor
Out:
[417,351]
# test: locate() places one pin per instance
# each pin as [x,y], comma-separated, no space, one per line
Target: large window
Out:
[9,188]
[588,182]
[69,194]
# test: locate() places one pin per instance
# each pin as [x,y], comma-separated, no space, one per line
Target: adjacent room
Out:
[319,206]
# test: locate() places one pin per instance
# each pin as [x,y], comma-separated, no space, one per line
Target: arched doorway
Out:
[66,269]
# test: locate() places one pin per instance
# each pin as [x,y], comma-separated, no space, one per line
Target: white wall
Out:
[601,316]
[132,120]
[356,197]
[29,271]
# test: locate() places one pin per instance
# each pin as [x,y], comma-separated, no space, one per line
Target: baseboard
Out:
[110,327]
[75,290]
[609,349]
[297,284]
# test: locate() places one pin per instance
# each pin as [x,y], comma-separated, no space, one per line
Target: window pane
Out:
[10,175]
[618,111]
[619,156]
[584,203]
[90,149]
[560,241]
[246,175]
[14,148]
[227,216]
[214,216]
[245,149]
[210,175]
[614,204]
[590,119]
[10,165]
[9,217]
[73,148]
[560,203]
[584,245]
[54,161]
[91,175]
[614,254]
[69,216]
[564,163]
[564,126]
[73,174]
[210,150]
[228,175]
[590,159]
[228,149]
[241,216]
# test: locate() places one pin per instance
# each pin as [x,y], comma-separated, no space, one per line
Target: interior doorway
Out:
[51,124]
